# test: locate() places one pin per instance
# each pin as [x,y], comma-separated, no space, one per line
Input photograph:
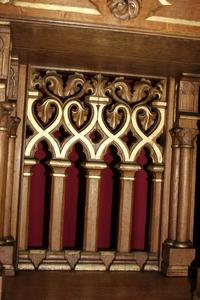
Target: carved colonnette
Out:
[97,112]
[178,250]
[8,126]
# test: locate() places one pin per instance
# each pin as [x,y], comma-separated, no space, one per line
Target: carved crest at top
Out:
[125,9]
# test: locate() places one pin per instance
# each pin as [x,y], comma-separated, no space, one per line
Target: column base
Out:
[124,262]
[24,262]
[55,261]
[7,255]
[90,261]
[176,261]
[152,263]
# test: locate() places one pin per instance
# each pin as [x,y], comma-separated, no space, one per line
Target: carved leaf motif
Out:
[146,119]
[74,85]
[51,83]
[114,118]
[45,112]
[79,116]
[120,90]
[141,90]
[54,83]
[98,86]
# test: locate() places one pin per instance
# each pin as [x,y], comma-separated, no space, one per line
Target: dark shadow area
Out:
[116,196]
[81,196]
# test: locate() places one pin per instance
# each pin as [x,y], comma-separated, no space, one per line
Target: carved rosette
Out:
[96,111]
[124,9]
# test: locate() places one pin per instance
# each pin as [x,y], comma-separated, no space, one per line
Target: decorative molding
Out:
[124,9]
[175,21]
[90,9]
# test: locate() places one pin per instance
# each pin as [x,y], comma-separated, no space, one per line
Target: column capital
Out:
[5,111]
[12,126]
[129,167]
[94,165]
[59,167]
[186,137]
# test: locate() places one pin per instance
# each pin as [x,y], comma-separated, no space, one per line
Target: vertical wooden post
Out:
[187,137]
[126,206]
[9,181]
[24,205]
[157,180]
[155,220]
[174,187]
[57,204]
[93,177]
[125,259]
[5,111]
[178,252]
[88,259]
[18,168]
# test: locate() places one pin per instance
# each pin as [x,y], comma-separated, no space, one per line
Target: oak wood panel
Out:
[106,50]
[91,285]
[179,11]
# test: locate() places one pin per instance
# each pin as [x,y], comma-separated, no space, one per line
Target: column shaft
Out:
[24,204]
[57,204]
[9,181]
[93,177]
[5,110]
[126,207]
[186,138]
[155,221]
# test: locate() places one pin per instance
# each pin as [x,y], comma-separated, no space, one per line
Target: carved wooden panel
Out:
[107,107]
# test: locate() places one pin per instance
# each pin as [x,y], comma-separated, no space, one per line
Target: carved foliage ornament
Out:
[125,9]
[84,104]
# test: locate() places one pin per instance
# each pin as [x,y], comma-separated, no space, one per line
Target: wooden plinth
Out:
[176,261]
[90,261]
[152,262]
[124,262]
[6,257]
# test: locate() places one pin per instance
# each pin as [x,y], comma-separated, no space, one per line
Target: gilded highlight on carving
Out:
[107,107]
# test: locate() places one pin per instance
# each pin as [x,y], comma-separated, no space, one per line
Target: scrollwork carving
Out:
[124,9]
[143,91]
[108,106]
